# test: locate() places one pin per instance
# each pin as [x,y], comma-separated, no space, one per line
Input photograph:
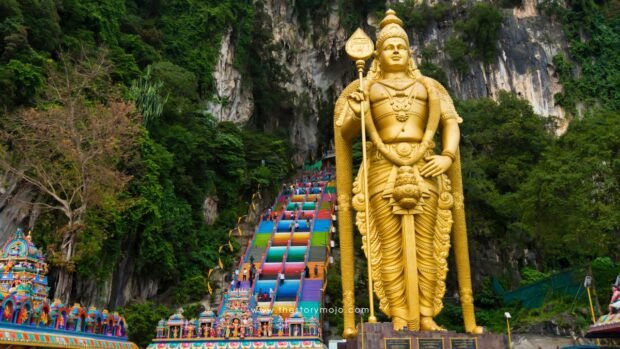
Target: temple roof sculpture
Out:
[41,323]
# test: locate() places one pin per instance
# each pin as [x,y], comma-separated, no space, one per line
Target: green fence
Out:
[533,296]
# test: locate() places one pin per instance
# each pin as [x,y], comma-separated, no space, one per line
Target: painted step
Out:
[311,290]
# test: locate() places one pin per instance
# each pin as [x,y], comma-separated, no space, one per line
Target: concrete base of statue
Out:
[382,336]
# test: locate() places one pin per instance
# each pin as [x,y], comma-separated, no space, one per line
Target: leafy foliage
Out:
[594,38]
[530,275]
[501,143]
[481,29]
[353,13]
[147,96]
[456,49]
[69,149]
[419,16]
[569,199]
[142,319]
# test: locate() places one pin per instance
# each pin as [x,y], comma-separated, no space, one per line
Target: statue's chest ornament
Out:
[400,101]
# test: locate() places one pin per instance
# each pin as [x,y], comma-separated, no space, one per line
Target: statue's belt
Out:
[403,150]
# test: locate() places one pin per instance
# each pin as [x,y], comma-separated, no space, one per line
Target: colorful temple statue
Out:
[28,316]
[413,195]
[265,323]
[23,269]
[175,324]
[207,322]
[295,325]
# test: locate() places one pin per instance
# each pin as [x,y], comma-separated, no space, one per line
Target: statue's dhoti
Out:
[410,223]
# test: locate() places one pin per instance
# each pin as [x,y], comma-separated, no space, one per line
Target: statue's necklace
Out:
[400,101]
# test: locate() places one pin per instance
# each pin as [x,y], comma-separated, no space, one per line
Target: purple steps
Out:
[311,290]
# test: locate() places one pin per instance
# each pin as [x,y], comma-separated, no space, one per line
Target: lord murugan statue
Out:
[414,196]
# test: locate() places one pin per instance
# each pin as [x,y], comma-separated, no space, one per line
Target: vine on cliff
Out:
[591,75]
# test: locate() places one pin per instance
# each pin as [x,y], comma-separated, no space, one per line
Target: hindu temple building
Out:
[29,320]
[277,290]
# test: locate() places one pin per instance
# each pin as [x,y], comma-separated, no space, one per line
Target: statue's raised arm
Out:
[414,195]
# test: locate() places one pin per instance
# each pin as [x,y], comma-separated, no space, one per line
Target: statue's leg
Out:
[427,264]
[389,227]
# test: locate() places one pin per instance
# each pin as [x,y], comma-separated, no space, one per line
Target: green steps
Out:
[261,240]
[319,238]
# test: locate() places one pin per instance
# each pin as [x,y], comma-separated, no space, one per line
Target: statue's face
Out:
[394,55]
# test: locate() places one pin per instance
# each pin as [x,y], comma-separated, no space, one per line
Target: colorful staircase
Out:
[295,245]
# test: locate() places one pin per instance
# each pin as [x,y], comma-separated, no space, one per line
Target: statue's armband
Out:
[447,110]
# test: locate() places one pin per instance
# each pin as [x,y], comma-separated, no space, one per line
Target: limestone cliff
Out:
[16,209]
[319,69]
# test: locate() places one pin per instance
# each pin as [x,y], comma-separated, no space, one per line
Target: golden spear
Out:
[360,48]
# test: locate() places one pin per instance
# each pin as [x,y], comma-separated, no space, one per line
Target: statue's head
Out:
[391,27]
[392,46]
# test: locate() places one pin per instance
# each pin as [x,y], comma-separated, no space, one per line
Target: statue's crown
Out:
[391,27]
[390,17]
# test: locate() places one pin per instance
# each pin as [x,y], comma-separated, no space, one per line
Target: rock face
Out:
[311,56]
[16,209]
[209,209]
[319,68]
[233,100]
[528,41]
[313,59]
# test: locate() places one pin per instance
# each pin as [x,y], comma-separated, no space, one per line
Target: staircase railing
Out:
[285,256]
[256,277]
[275,293]
[264,256]
[299,289]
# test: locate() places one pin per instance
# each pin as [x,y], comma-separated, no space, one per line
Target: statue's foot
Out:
[349,333]
[476,330]
[428,324]
[399,324]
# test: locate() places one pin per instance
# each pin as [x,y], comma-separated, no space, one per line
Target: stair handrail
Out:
[299,289]
[275,292]
[307,255]
[310,243]
[264,256]
[251,292]
[285,255]
[244,257]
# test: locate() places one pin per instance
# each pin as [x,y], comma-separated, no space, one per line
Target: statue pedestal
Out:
[382,336]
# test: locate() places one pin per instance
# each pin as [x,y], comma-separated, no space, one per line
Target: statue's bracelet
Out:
[449,154]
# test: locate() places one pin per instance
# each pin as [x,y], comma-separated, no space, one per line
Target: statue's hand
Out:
[436,165]
[356,99]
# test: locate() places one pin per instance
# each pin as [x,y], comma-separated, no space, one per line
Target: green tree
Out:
[501,143]
[591,75]
[69,149]
[147,95]
[142,319]
[481,28]
[456,49]
[569,200]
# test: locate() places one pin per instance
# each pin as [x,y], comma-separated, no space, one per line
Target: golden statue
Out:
[414,196]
